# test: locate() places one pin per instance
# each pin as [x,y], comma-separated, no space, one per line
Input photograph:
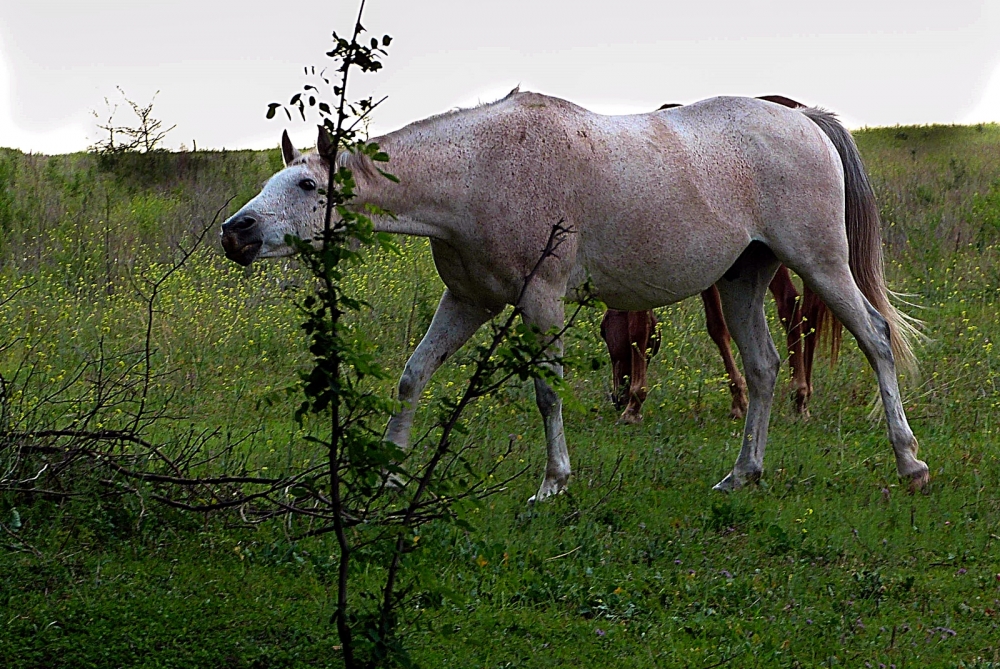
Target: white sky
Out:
[217,63]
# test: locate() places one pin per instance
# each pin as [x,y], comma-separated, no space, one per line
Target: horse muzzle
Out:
[241,239]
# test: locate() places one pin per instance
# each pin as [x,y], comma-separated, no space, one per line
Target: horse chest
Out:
[471,273]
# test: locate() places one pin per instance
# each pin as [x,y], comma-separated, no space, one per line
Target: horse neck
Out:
[428,199]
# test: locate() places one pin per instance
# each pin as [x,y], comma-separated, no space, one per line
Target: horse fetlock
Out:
[740,402]
[617,399]
[801,394]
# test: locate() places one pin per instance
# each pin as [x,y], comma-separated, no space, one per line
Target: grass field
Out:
[829,562]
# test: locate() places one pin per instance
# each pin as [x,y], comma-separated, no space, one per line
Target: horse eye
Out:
[307,184]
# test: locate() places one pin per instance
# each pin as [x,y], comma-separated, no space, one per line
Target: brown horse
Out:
[632,339]
[803,322]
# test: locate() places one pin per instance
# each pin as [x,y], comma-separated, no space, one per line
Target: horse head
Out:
[290,203]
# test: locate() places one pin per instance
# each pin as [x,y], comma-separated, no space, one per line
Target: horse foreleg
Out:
[614,332]
[453,323]
[796,328]
[637,382]
[547,314]
[742,299]
[717,330]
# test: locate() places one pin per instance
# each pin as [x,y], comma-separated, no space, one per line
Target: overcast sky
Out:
[217,63]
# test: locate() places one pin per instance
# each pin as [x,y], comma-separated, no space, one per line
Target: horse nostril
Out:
[241,224]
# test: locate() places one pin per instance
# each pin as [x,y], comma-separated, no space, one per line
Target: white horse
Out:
[663,205]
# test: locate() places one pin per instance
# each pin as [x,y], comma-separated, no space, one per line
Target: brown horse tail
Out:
[864,240]
[822,321]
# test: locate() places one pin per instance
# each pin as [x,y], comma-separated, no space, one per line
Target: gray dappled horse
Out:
[663,205]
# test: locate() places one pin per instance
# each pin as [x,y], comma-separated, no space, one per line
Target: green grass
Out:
[829,562]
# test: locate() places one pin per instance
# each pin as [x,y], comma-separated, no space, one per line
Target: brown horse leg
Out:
[614,331]
[621,372]
[791,314]
[717,330]
[814,312]
[639,332]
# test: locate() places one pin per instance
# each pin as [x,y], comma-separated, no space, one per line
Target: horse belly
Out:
[648,260]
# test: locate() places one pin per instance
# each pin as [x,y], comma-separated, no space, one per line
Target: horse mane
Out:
[358,163]
[458,110]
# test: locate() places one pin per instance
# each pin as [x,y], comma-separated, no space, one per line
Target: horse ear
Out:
[288,152]
[324,146]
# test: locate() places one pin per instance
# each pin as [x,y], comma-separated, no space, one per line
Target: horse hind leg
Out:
[453,323]
[836,287]
[791,313]
[742,293]
[716,325]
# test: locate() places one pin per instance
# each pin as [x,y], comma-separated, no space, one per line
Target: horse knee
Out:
[409,385]
[545,397]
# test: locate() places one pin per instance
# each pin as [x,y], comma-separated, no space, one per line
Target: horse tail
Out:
[864,240]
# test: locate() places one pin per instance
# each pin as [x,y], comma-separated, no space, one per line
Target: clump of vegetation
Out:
[143,137]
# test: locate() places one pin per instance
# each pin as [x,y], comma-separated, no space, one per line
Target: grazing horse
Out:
[804,320]
[811,311]
[632,339]
[662,205]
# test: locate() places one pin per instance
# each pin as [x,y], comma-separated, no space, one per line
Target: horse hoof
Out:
[394,482]
[919,478]
[728,484]
[630,418]
[549,487]
[734,482]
